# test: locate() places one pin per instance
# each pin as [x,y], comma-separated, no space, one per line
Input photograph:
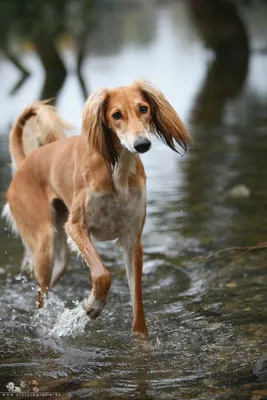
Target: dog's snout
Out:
[142,144]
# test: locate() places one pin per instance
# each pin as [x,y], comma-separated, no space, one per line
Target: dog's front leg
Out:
[133,258]
[101,280]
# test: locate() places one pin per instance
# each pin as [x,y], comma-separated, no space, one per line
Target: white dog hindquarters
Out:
[73,246]
[11,224]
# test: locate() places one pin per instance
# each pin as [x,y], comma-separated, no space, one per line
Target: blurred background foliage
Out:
[45,25]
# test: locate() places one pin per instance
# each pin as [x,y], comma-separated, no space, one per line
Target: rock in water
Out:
[239,192]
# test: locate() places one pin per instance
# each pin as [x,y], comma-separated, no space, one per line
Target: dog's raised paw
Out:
[93,307]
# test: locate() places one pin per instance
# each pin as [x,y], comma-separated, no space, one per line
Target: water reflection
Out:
[43,25]
[227,133]
[136,28]
[206,320]
[222,31]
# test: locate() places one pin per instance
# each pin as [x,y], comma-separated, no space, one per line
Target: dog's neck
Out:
[122,170]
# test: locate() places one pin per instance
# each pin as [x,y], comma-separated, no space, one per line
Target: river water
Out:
[207,318]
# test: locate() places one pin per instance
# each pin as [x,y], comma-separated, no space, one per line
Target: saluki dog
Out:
[93,185]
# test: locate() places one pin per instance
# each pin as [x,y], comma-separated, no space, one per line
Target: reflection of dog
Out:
[92,185]
[12,388]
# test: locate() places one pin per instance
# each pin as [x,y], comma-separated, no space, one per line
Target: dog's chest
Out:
[111,215]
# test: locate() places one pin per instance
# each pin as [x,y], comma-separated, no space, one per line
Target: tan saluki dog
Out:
[91,186]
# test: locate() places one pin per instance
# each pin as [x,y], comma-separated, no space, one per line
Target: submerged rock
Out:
[239,192]
[260,369]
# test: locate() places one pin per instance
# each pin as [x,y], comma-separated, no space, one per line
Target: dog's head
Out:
[23,385]
[128,116]
[10,386]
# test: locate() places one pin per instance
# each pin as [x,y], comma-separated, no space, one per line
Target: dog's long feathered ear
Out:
[165,124]
[98,136]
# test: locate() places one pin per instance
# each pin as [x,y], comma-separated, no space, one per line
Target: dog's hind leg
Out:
[31,213]
[27,262]
[60,246]
[26,265]
[43,262]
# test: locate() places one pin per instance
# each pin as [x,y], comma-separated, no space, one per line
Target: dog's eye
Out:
[143,109]
[116,115]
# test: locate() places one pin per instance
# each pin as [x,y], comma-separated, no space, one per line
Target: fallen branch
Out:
[245,248]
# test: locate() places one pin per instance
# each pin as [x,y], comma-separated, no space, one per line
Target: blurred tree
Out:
[42,24]
[222,31]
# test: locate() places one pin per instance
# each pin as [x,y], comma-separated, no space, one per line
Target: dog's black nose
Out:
[142,144]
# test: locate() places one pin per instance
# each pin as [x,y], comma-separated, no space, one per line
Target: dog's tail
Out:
[46,127]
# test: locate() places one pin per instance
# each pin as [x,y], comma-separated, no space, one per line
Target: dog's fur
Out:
[92,185]
[37,126]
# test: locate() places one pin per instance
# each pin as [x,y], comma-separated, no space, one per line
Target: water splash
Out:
[56,320]
[70,322]
[44,319]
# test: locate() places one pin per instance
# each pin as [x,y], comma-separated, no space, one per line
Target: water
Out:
[206,318]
